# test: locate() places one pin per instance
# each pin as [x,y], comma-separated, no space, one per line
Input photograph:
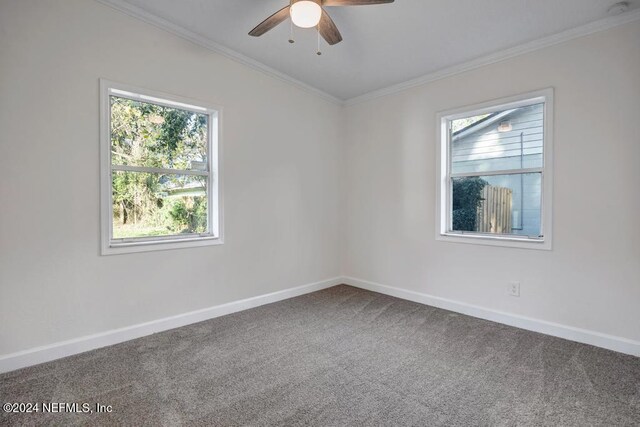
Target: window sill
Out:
[159,245]
[508,242]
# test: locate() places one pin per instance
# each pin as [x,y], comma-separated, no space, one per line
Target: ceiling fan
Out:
[309,14]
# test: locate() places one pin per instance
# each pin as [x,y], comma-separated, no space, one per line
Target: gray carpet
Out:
[341,356]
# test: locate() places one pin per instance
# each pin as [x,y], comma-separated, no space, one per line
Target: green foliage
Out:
[190,214]
[460,124]
[467,196]
[151,135]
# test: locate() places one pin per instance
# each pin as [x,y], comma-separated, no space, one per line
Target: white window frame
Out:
[214,235]
[443,170]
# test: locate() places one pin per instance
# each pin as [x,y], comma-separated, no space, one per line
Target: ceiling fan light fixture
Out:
[305,13]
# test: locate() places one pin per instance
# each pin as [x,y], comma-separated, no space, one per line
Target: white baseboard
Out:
[619,344]
[58,350]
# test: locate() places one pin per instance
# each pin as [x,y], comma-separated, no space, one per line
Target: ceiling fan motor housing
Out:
[319,2]
[309,14]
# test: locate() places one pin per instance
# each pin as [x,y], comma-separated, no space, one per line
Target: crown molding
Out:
[534,45]
[163,24]
[581,31]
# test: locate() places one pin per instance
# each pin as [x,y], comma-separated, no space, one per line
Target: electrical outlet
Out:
[514,289]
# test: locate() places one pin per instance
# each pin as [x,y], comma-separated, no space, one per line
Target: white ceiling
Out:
[384,44]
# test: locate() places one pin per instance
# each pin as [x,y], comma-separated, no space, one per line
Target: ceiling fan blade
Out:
[270,22]
[354,2]
[328,29]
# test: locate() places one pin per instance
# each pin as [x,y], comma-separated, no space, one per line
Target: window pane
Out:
[503,140]
[146,204]
[498,204]
[145,134]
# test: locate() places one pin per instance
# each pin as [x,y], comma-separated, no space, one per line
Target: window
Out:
[160,176]
[494,174]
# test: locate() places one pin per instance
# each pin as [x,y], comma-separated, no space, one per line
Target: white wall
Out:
[310,189]
[282,152]
[591,278]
